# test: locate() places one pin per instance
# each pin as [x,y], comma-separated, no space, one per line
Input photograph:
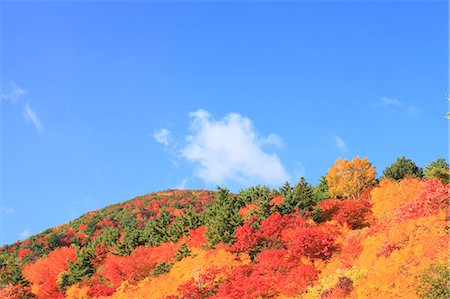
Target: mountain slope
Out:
[391,242]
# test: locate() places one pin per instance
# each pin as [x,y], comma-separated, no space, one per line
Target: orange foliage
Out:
[245,211]
[390,195]
[277,200]
[138,264]
[44,272]
[195,266]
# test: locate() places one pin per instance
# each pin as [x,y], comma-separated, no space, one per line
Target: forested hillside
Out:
[354,235]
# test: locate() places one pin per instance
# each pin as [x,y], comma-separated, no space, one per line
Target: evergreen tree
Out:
[401,168]
[321,190]
[11,272]
[222,218]
[182,252]
[81,269]
[438,169]
[303,195]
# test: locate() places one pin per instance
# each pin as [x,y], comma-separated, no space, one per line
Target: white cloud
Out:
[273,139]
[162,136]
[182,185]
[7,210]
[31,116]
[340,143]
[14,94]
[392,103]
[228,150]
[25,234]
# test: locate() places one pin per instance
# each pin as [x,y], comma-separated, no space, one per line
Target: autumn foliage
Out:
[43,274]
[384,240]
[348,179]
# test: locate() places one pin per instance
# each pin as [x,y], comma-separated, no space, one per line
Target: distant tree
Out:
[434,282]
[321,190]
[401,168]
[259,196]
[182,252]
[11,272]
[438,169]
[222,218]
[161,268]
[347,179]
[81,269]
[301,197]
[303,194]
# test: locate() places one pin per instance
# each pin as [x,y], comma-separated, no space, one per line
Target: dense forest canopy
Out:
[352,236]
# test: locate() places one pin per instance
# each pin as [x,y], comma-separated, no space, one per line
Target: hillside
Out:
[382,239]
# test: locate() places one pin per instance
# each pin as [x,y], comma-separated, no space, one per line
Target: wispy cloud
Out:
[7,210]
[393,103]
[162,136]
[229,150]
[385,102]
[31,116]
[340,144]
[182,185]
[272,139]
[25,233]
[14,94]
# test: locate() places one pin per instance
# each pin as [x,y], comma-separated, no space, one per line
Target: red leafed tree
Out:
[246,239]
[311,242]
[247,283]
[276,260]
[356,213]
[271,228]
[435,197]
[197,237]
[23,252]
[44,272]
[298,279]
[138,264]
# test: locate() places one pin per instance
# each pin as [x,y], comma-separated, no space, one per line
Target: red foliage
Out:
[44,272]
[275,271]
[246,239]
[245,283]
[356,213]
[271,228]
[197,237]
[298,280]
[16,292]
[99,290]
[276,260]
[311,242]
[351,251]
[82,227]
[435,197]
[100,255]
[137,265]
[23,252]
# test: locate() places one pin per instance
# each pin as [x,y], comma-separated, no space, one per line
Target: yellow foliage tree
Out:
[390,195]
[77,292]
[349,178]
[182,271]
[392,259]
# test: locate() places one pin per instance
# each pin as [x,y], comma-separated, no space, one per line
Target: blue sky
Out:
[104,101]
